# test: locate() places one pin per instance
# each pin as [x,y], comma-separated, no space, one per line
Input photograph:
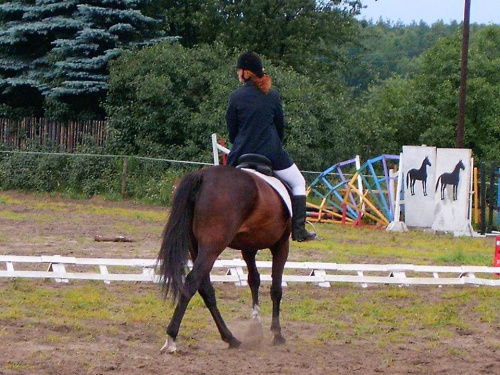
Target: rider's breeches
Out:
[294,179]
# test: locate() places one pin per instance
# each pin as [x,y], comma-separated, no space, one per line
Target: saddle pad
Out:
[277,185]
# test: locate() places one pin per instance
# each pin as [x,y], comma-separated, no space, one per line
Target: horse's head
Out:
[427,162]
[461,165]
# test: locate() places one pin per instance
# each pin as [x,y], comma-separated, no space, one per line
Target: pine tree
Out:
[59,51]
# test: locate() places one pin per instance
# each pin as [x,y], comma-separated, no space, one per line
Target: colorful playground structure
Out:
[349,192]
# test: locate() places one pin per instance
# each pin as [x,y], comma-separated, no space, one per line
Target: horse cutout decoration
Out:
[215,208]
[418,174]
[452,178]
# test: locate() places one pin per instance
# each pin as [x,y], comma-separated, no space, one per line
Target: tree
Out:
[384,49]
[60,50]
[306,35]
[166,100]
[424,109]
[389,116]
[482,126]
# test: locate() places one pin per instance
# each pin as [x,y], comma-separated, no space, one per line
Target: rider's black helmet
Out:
[252,62]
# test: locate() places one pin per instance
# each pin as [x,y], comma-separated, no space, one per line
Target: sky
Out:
[430,11]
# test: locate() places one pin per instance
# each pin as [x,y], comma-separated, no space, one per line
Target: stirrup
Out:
[304,236]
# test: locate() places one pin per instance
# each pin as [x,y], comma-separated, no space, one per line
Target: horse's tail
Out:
[407,179]
[176,239]
[437,183]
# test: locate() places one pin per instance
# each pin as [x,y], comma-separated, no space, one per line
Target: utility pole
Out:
[463,76]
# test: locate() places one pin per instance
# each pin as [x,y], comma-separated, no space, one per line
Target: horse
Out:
[452,178]
[215,208]
[418,174]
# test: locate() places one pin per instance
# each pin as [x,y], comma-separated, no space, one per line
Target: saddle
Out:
[256,162]
[261,164]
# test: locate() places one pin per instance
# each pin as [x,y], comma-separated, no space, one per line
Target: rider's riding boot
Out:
[299,232]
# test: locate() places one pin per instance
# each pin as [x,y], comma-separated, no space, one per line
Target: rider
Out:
[256,124]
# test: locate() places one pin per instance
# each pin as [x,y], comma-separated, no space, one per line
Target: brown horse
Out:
[215,208]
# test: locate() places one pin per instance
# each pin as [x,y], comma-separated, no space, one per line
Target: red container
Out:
[496,260]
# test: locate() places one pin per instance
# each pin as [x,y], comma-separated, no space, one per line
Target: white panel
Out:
[419,198]
[452,190]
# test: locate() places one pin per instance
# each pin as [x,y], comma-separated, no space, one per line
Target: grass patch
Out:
[7,199]
[347,244]
[101,211]
[17,366]
[136,228]
[82,207]
[12,215]
[461,256]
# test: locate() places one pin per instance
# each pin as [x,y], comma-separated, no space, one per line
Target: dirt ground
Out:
[29,226]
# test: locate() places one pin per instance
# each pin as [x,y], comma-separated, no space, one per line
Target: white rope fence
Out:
[63,269]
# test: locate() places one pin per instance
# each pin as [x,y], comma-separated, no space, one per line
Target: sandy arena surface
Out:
[33,344]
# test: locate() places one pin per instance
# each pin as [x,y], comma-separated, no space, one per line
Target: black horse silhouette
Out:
[418,174]
[452,178]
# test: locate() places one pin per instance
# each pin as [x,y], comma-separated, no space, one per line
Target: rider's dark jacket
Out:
[256,124]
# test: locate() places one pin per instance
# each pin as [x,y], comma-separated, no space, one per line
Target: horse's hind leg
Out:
[201,269]
[255,332]
[207,292]
[280,255]
[253,282]
[175,322]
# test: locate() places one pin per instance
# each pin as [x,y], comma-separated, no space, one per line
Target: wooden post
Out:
[476,197]
[463,76]
[492,197]
[482,175]
[498,197]
[124,177]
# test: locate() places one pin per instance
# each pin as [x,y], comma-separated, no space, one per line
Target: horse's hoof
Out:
[279,340]
[234,343]
[169,346]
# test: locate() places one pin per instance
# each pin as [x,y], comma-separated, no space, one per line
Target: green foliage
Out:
[438,88]
[424,109]
[306,35]
[386,118]
[60,50]
[384,49]
[166,101]
[50,173]
[317,133]
[152,182]
[88,175]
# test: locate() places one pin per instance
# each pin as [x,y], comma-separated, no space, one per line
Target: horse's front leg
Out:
[280,255]
[207,292]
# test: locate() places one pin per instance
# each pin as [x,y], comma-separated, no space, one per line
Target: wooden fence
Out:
[66,136]
[63,269]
